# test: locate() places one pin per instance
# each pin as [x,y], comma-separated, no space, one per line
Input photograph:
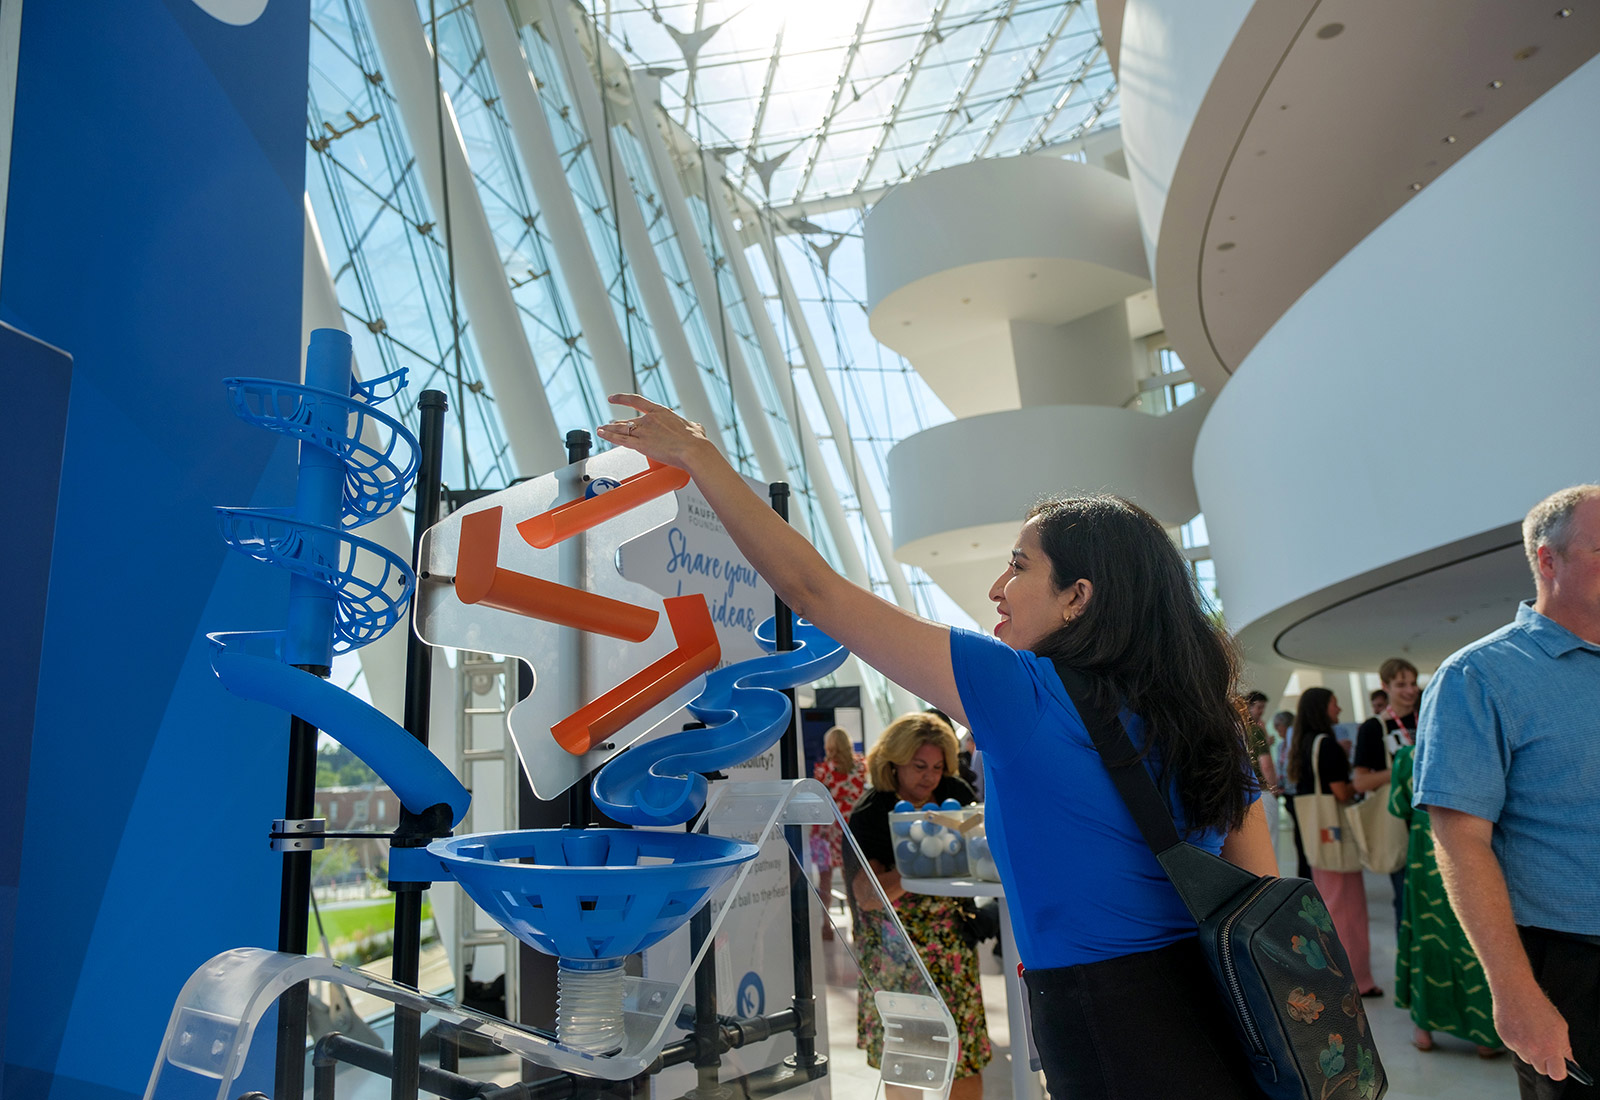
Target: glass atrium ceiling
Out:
[810,99]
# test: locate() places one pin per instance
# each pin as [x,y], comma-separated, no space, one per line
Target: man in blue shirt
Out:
[1508,764]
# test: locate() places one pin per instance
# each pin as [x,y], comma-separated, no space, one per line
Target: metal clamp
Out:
[303,835]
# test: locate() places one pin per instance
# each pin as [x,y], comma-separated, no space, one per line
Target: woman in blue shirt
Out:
[1123,1005]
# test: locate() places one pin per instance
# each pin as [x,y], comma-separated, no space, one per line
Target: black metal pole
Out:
[580,799]
[707,1030]
[294,901]
[419,699]
[805,1002]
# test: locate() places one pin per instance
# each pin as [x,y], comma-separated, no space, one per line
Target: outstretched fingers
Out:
[636,401]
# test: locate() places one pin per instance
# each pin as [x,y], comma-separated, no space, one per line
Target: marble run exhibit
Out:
[530,571]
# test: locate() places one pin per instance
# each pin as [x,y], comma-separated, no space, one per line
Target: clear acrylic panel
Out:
[214,1043]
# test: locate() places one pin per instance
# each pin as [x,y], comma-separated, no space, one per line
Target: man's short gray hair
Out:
[1550,522]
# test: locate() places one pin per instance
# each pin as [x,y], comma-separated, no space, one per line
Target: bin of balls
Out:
[979,858]
[933,842]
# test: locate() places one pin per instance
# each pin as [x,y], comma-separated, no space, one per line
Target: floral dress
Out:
[846,787]
[935,925]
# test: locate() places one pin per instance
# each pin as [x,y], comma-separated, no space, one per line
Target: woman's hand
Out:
[657,432]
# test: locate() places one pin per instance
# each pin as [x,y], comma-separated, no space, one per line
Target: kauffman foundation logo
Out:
[240,13]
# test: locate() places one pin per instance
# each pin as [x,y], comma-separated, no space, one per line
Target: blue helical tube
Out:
[660,782]
[344,591]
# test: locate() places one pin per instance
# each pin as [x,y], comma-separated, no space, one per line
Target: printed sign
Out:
[755,969]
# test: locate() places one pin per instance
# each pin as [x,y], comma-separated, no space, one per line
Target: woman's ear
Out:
[1074,598]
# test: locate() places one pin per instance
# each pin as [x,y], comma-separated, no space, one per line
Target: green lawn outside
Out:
[357,922]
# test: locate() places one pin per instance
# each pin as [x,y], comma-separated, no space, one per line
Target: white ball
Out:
[918,830]
[932,846]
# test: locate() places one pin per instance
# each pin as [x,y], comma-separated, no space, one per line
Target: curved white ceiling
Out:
[1323,119]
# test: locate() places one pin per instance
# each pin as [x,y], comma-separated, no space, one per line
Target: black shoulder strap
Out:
[1203,881]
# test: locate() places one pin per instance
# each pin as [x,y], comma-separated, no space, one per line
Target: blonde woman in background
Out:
[914,760]
[844,772]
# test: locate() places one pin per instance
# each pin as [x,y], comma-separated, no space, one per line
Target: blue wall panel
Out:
[154,232]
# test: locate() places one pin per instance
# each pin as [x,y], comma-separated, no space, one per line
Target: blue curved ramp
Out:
[250,666]
[660,782]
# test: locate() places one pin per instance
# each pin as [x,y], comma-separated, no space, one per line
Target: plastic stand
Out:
[209,1034]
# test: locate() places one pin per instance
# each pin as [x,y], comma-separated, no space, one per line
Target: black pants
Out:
[1302,868]
[1568,969]
[1139,1027]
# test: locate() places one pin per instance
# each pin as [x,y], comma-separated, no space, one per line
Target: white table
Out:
[1025,1083]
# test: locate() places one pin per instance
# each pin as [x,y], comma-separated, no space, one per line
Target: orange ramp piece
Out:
[481,580]
[565,520]
[698,652]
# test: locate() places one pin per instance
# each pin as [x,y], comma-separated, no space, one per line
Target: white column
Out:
[541,160]
[822,485]
[485,292]
[753,417]
[638,250]
[840,431]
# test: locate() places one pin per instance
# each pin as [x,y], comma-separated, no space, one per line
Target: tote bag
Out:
[1380,836]
[1325,831]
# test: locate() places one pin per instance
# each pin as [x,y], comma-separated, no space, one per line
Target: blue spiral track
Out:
[661,781]
[345,591]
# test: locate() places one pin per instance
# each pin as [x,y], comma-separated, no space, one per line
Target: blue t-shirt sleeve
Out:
[1000,690]
[1462,754]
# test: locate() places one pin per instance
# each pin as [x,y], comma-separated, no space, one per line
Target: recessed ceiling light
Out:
[1497,84]
[1330,30]
[966,301]
[1563,13]
[1416,187]
[1471,112]
[906,323]
[1525,53]
[1225,246]
[1449,139]
[975,545]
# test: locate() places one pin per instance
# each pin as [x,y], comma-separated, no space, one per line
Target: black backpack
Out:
[1270,943]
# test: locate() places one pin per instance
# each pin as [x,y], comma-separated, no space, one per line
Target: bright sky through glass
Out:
[857,94]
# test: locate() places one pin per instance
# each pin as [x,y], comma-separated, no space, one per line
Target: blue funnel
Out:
[573,900]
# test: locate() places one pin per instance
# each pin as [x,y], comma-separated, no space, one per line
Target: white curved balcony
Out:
[1266,140]
[960,491]
[957,258]
[1407,410]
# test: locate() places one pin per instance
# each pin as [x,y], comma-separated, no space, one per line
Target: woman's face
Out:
[916,779]
[1031,607]
[1333,708]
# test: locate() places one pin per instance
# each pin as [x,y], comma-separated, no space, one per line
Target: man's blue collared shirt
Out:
[1510,732]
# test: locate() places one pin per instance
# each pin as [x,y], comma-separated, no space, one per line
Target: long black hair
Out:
[1310,720]
[1146,642]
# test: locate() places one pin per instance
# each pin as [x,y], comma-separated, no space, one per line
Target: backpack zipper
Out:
[1230,972]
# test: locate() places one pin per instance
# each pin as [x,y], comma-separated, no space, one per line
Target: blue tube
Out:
[248,664]
[319,498]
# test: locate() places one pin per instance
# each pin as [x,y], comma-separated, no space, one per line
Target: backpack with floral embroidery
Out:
[1270,942]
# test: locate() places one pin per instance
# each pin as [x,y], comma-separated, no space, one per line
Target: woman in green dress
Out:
[1437,974]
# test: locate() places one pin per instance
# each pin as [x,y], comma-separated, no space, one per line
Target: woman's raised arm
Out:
[908,649]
